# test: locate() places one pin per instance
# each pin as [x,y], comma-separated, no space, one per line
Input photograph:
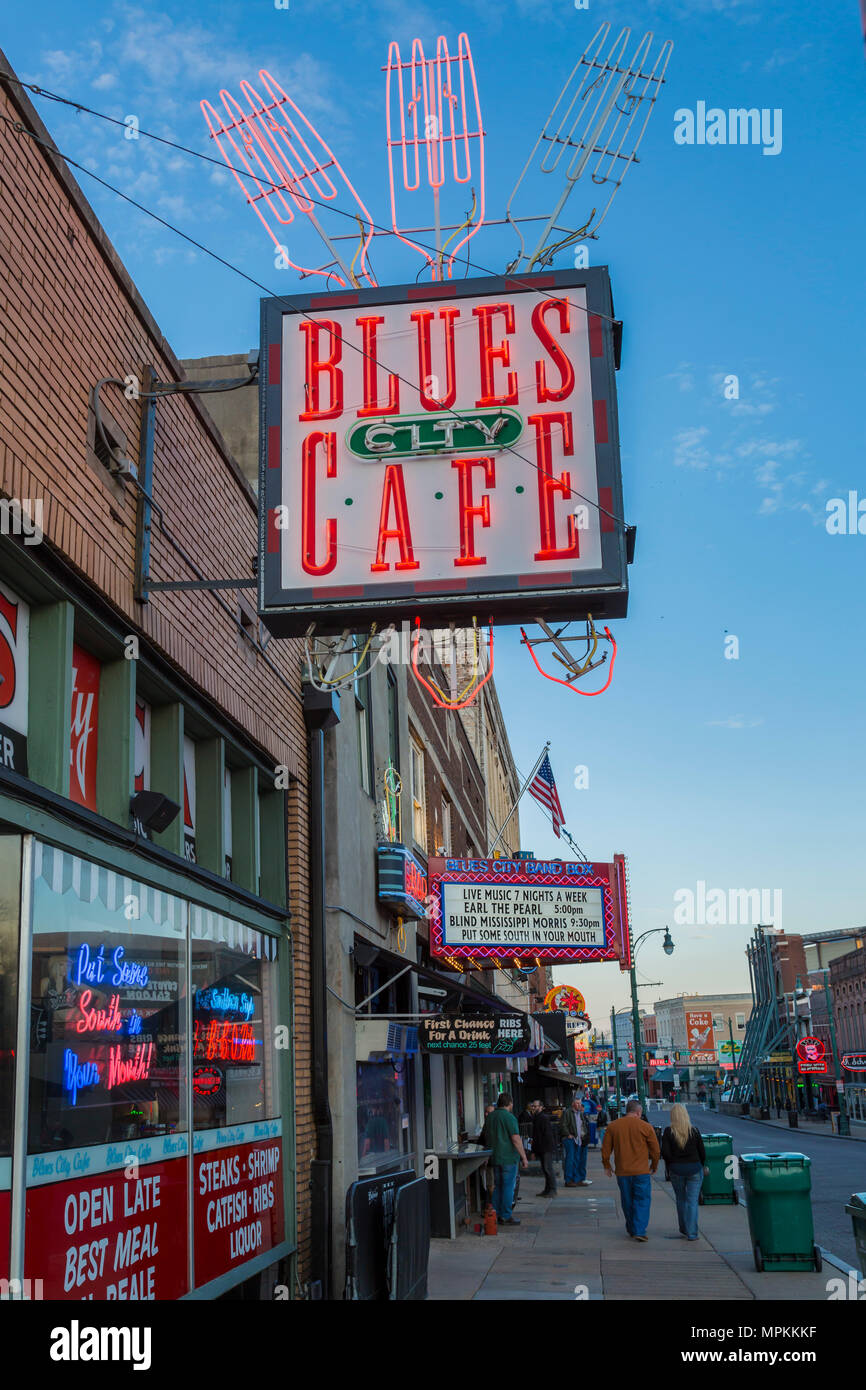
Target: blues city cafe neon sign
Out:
[478,466]
[402,882]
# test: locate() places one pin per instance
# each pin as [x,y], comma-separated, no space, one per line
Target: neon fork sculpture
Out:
[602,111]
[288,166]
[431,121]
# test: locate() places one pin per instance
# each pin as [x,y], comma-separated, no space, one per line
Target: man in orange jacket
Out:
[636,1153]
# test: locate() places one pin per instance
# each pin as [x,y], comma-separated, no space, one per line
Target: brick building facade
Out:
[215,709]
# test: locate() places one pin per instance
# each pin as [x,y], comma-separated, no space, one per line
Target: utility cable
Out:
[21,129]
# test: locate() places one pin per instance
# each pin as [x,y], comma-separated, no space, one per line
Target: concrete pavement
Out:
[574,1247]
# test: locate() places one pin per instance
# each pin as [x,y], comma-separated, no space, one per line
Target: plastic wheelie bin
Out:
[778,1200]
[856,1209]
[718,1188]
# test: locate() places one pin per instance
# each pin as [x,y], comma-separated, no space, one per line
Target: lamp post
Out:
[844,1124]
[667,947]
[615,1054]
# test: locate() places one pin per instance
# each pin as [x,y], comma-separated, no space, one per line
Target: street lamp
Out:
[668,948]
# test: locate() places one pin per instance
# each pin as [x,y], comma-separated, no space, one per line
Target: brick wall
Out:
[71,316]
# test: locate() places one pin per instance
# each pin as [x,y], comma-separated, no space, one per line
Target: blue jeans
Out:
[687,1187]
[635,1193]
[504,1178]
[593,1131]
[574,1160]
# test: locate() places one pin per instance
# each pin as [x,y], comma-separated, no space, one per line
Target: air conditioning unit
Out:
[377,1038]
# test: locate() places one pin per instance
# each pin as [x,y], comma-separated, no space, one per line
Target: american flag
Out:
[543,788]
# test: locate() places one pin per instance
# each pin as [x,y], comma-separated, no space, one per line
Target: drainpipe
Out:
[320,713]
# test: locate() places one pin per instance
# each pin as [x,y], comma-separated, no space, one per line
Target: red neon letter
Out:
[423,318]
[484,313]
[371,371]
[469,511]
[557,352]
[308,503]
[315,365]
[548,485]
[394,488]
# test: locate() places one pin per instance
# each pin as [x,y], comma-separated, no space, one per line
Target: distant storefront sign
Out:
[702,1059]
[489,908]
[811,1056]
[401,880]
[854,1061]
[725,1048]
[488,1035]
[565,997]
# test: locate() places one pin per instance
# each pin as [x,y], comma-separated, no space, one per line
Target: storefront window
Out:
[10,891]
[234,993]
[107,1176]
[384,1109]
[238,1210]
[107,1054]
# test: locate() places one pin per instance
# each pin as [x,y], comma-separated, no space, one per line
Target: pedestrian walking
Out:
[508,1151]
[544,1146]
[683,1152]
[574,1128]
[635,1149]
[484,1139]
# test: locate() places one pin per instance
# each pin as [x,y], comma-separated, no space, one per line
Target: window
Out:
[741,1020]
[419,804]
[365,741]
[446,826]
[393,720]
[718,1021]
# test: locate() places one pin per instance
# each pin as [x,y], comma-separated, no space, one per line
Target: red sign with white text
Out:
[84,733]
[237,1206]
[110,1236]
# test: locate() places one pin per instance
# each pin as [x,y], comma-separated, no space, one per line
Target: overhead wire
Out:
[21,129]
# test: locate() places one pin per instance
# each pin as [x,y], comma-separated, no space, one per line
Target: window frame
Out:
[419,804]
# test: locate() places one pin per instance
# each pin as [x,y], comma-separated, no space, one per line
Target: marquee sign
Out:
[490,908]
[854,1061]
[447,449]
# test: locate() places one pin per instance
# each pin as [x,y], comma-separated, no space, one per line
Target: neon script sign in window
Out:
[121,1070]
[225,1002]
[93,967]
[231,1041]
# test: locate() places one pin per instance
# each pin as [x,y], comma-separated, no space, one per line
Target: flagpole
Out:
[539,760]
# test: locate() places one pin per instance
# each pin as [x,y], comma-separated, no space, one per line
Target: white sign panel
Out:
[521,915]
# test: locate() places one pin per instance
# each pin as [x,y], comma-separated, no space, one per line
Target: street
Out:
[838,1167]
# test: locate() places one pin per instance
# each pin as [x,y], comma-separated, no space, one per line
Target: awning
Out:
[662,1074]
[560,1076]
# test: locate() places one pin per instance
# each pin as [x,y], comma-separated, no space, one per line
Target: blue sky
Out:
[742,773]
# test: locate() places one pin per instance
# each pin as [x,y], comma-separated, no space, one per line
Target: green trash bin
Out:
[778,1200]
[856,1209]
[718,1188]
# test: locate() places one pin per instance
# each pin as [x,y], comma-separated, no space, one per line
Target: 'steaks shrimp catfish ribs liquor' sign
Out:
[487,909]
[441,451]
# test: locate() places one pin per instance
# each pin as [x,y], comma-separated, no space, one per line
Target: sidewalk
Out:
[858,1128]
[574,1246]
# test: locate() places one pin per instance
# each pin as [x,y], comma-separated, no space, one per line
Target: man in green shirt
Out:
[501,1134]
